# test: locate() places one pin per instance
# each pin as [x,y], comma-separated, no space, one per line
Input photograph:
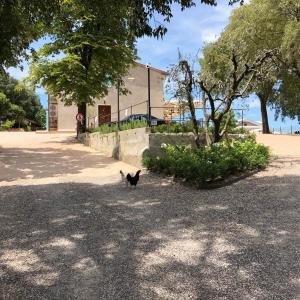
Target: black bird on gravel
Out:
[133,180]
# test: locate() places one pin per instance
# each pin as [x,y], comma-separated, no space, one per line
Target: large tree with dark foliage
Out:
[18,103]
[95,38]
[22,22]
[98,45]
[267,25]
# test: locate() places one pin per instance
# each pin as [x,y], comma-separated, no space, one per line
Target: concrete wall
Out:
[130,145]
[127,145]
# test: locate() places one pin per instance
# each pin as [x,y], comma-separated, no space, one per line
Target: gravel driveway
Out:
[70,230]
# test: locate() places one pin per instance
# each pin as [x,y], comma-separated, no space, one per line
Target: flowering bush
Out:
[208,163]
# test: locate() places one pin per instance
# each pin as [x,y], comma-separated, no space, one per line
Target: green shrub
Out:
[175,128]
[241,130]
[133,125]
[208,163]
[109,128]
[7,124]
[28,128]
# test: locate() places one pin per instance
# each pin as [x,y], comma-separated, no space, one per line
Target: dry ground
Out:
[282,145]
[70,230]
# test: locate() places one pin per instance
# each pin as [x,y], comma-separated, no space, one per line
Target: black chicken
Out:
[133,180]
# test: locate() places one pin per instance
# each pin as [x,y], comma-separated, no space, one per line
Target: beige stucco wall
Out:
[66,117]
[128,145]
[136,82]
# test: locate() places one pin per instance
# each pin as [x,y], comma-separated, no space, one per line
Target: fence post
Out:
[118,104]
[149,98]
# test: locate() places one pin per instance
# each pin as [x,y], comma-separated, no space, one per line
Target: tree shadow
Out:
[159,241]
[33,163]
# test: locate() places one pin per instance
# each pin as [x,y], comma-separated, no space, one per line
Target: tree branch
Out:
[210,98]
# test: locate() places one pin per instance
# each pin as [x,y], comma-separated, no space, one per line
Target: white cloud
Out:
[189,30]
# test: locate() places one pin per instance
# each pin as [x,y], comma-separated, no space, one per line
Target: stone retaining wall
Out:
[131,145]
[127,145]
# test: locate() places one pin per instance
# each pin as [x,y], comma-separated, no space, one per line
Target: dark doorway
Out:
[104,113]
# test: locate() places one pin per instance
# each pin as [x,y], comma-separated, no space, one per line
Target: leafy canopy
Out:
[91,52]
[18,102]
[95,44]
[265,25]
[22,22]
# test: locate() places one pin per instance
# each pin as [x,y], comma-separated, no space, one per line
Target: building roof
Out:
[152,68]
[250,122]
[174,102]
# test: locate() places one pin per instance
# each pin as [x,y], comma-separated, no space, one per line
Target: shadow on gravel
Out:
[160,241]
[69,140]
[47,162]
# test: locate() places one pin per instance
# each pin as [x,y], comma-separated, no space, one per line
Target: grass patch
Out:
[201,166]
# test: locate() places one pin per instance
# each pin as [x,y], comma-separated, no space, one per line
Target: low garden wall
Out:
[127,145]
[131,145]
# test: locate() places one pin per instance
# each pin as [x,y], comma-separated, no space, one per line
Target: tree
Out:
[18,102]
[97,52]
[183,83]
[40,117]
[4,106]
[225,77]
[97,49]
[286,99]
[270,26]
[22,22]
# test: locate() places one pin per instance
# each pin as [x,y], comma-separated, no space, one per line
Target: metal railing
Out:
[286,130]
[172,115]
[122,114]
[168,114]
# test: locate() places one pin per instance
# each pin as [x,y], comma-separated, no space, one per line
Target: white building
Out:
[254,126]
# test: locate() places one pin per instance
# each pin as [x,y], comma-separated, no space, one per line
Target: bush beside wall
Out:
[200,166]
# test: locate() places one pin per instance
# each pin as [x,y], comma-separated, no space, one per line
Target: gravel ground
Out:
[70,230]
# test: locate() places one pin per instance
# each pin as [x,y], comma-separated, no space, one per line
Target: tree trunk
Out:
[81,126]
[207,135]
[206,120]
[264,114]
[189,90]
[216,134]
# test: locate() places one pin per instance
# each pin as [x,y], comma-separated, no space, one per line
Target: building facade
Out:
[104,110]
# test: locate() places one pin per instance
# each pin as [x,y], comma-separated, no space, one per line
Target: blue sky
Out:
[188,31]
